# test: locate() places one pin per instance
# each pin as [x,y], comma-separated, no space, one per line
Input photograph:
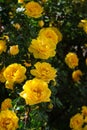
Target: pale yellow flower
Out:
[83,24]
[6,37]
[2,78]
[15,73]
[20,1]
[76,75]
[44,71]
[11,15]
[3,46]
[14,50]
[42,48]
[6,104]
[8,120]
[35,91]
[71,60]
[76,121]
[33,9]
[51,33]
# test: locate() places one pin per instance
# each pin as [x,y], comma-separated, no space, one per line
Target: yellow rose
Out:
[76,75]
[52,33]
[76,121]
[8,120]
[33,9]
[2,78]
[42,48]
[71,60]
[6,104]
[15,73]
[83,24]
[84,110]
[2,46]
[44,71]
[14,50]
[36,91]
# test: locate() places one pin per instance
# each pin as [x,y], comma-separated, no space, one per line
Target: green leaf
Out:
[2,1]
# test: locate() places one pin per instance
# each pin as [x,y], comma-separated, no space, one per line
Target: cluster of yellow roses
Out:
[44,45]
[72,61]
[43,48]
[37,89]
[79,121]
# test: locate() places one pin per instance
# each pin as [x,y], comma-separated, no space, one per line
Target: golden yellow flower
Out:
[44,71]
[3,46]
[84,110]
[42,48]
[14,50]
[71,60]
[15,73]
[2,78]
[35,91]
[76,121]
[17,26]
[52,33]
[83,24]
[76,75]
[6,104]
[33,9]
[8,120]
[27,64]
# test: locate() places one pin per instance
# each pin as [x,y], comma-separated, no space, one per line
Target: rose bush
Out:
[43,65]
